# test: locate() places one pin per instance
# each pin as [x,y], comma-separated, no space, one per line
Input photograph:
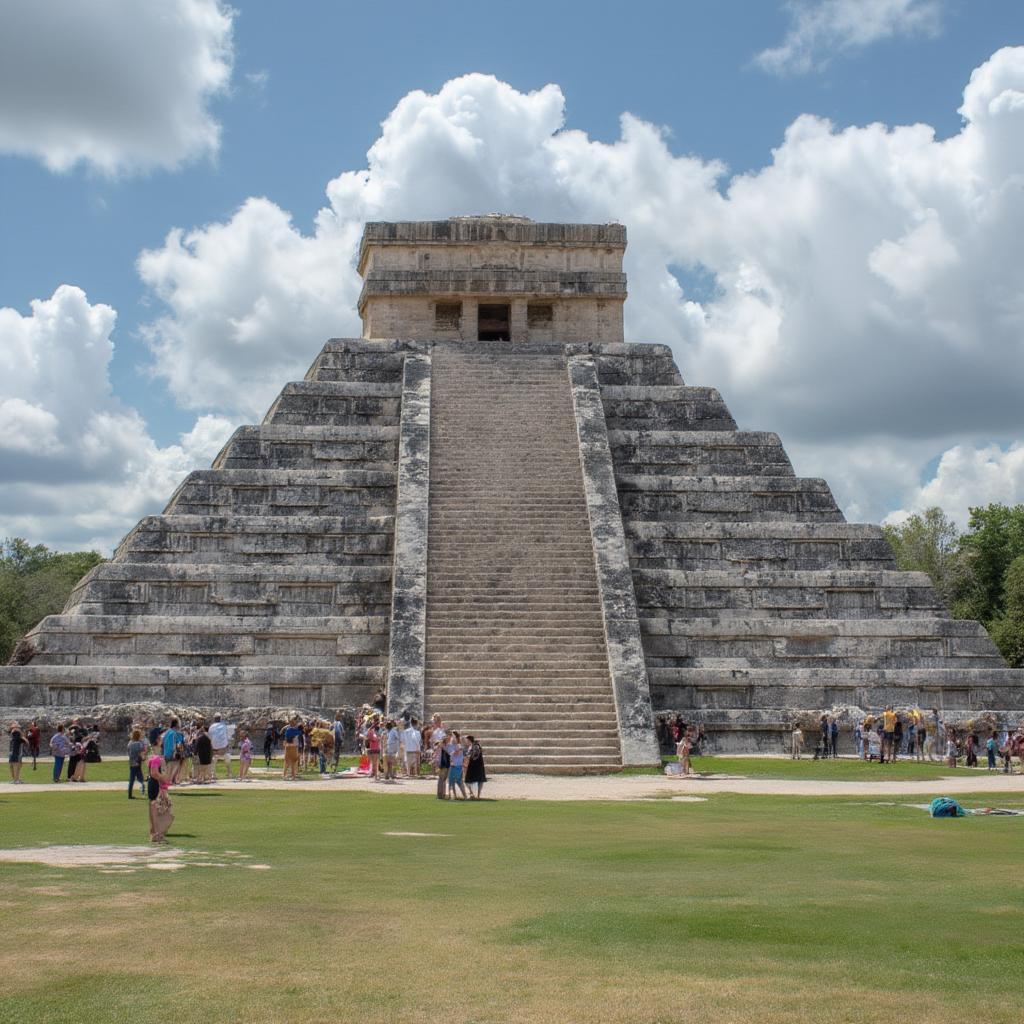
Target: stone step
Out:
[281,446]
[341,540]
[177,589]
[338,403]
[512,605]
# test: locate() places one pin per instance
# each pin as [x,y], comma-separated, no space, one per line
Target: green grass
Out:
[117,771]
[738,909]
[838,769]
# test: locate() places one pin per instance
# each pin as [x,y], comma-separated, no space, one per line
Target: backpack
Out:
[946,807]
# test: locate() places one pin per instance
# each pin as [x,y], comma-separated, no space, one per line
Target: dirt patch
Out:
[421,835]
[114,859]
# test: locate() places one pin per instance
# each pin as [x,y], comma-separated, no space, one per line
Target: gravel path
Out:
[610,787]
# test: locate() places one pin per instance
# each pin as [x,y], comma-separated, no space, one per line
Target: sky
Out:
[823,200]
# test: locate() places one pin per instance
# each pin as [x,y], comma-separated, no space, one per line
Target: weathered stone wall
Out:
[408,267]
[574,320]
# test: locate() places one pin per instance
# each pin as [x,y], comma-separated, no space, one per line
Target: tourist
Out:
[307,747]
[824,736]
[244,757]
[437,731]
[392,746]
[204,755]
[889,720]
[161,810]
[338,729]
[971,759]
[951,752]
[476,773]
[269,741]
[60,747]
[220,738]
[911,735]
[990,751]
[136,751]
[33,741]
[76,735]
[922,734]
[796,748]
[874,745]
[683,748]
[373,749]
[833,735]
[19,744]
[78,758]
[173,750]
[291,749]
[444,764]
[457,756]
[412,739]
[897,739]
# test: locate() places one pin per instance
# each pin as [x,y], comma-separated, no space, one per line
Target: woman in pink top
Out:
[161,811]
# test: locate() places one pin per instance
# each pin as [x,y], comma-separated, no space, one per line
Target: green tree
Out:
[928,542]
[35,582]
[993,540]
[1007,629]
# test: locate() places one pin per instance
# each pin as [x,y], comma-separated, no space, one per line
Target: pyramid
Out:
[515,520]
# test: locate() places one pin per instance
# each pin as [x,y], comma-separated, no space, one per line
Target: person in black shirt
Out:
[19,744]
[204,755]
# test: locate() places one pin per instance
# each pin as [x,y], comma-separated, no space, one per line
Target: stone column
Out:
[614,577]
[518,330]
[407,645]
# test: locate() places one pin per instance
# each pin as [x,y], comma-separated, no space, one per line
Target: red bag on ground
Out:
[364,763]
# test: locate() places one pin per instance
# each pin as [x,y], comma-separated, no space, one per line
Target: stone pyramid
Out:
[514,520]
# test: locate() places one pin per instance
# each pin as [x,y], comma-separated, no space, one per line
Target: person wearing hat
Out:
[17,752]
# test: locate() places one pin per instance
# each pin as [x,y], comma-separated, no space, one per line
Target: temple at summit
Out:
[495,509]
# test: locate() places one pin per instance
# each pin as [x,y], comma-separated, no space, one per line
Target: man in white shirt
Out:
[413,743]
[220,737]
[392,745]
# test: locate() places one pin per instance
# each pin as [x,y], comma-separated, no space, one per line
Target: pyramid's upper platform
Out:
[492,278]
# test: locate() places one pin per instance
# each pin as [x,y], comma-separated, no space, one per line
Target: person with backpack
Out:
[990,750]
[476,772]
[172,749]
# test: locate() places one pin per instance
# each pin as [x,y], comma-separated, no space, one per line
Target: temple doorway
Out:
[494,322]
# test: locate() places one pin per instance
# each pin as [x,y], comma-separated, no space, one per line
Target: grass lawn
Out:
[838,769]
[738,909]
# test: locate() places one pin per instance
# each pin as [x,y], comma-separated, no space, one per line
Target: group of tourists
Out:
[74,745]
[415,749]
[192,753]
[312,744]
[915,734]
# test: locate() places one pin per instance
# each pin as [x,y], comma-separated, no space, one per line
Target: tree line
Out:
[35,582]
[979,572]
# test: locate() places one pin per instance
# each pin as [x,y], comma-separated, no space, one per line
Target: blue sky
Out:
[308,86]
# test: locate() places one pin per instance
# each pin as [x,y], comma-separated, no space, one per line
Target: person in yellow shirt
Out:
[888,733]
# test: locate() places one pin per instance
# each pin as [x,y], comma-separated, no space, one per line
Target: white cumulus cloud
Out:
[818,31]
[79,468]
[969,476]
[866,299]
[121,85]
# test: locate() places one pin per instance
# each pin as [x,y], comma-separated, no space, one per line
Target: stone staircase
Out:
[515,642]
